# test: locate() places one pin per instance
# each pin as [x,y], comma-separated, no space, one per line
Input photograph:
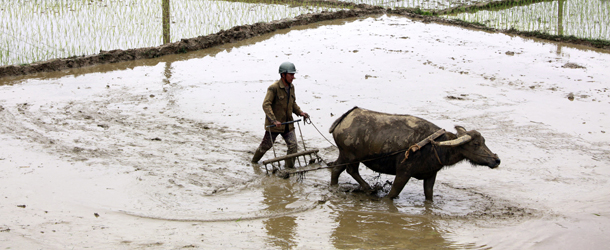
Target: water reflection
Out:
[169,86]
[277,194]
[167,73]
[168,59]
[368,224]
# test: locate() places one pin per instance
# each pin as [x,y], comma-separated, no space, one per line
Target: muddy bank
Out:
[240,33]
[234,34]
[494,5]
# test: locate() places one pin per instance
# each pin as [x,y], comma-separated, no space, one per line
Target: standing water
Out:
[155,153]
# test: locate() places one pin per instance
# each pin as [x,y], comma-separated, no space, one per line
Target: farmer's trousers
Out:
[269,138]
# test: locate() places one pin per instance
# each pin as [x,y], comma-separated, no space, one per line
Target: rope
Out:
[413,148]
[308,121]
[422,143]
[314,125]
[436,153]
[372,159]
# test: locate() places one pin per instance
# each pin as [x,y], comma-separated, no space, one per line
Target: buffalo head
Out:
[471,145]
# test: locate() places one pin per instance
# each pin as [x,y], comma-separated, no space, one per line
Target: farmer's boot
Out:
[290,162]
[258,155]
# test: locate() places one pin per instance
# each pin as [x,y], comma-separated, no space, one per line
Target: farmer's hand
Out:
[277,123]
[303,114]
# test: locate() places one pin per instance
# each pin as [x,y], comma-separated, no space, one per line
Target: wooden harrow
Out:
[302,163]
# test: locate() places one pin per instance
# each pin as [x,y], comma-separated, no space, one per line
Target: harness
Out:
[419,145]
[415,147]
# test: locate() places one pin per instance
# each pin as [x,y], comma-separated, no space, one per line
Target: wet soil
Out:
[155,153]
[240,33]
[234,34]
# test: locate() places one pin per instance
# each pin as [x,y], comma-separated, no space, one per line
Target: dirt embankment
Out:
[413,13]
[247,31]
[185,45]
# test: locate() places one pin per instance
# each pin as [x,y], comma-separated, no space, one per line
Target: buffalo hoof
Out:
[282,174]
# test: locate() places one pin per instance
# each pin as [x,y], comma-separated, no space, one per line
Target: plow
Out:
[305,161]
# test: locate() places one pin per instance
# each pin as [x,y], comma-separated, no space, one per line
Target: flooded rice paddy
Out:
[34,31]
[43,30]
[155,153]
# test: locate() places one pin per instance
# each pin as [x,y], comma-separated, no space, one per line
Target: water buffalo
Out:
[379,141]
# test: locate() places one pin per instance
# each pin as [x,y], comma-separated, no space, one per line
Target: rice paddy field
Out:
[153,151]
[40,30]
[43,30]
[588,19]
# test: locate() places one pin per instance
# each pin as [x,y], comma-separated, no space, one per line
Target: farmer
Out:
[279,104]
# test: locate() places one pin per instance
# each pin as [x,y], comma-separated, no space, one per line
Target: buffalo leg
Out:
[336,171]
[352,170]
[429,187]
[400,181]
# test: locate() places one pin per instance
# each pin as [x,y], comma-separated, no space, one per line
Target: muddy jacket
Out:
[279,106]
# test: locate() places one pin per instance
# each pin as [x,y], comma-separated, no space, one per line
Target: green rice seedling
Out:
[77,27]
[586,19]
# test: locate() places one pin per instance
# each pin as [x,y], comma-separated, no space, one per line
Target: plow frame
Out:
[273,166]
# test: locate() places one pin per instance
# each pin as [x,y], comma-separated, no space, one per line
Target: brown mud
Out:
[243,32]
[89,154]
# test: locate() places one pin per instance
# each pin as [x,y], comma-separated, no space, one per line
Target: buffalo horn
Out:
[461,130]
[459,141]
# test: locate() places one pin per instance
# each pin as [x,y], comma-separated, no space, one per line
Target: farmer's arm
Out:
[297,110]
[269,97]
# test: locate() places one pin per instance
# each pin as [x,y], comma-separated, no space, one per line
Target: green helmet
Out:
[287,67]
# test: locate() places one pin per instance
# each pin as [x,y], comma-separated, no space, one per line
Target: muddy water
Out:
[155,153]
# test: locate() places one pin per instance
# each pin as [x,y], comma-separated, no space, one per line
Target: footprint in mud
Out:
[378,189]
[467,203]
[451,203]
[573,66]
